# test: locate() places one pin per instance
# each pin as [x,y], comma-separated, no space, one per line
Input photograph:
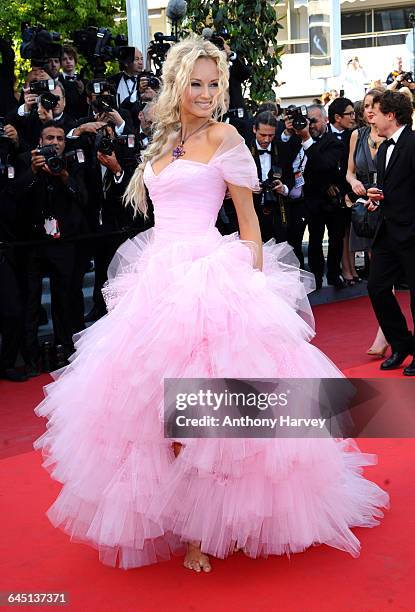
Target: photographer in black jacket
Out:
[323,197]
[7,100]
[52,201]
[11,304]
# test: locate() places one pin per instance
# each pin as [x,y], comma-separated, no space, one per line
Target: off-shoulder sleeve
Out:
[235,162]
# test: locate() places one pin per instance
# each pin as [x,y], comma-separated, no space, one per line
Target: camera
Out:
[56,163]
[98,46]
[38,44]
[267,186]
[104,103]
[236,113]
[152,80]
[408,77]
[106,144]
[2,124]
[158,49]
[298,116]
[40,87]
[49,101]
[217,37]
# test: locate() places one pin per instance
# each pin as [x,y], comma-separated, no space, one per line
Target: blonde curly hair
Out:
[177,69]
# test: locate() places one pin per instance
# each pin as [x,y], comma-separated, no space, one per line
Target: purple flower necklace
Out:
[179,150]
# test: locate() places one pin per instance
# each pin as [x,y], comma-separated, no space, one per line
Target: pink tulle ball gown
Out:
[185,302]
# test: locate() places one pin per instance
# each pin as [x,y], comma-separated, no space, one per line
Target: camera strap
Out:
[134,86]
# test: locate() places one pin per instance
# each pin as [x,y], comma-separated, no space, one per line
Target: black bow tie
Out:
[390,142]
[263,151]
[130,78]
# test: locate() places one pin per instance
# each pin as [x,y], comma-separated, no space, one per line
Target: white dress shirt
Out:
[126,89]
[391,147]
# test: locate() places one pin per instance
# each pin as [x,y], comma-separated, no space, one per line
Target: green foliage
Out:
[62,16]
[253,29]
[59,15]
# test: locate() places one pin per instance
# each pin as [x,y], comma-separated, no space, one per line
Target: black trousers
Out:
[388,261]
[296,227]
[335,223]
[11,311]
[57,259]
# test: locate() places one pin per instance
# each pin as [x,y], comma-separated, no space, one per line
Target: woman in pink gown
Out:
[185,302]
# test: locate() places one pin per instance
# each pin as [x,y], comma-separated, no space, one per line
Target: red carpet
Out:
[36,557]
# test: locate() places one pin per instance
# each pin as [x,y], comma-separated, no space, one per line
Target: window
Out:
[392,19]
[375,21]
[358,22]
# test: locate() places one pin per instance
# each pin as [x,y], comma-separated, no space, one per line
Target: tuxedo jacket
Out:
[76,104]
[398,183]
[323,169]
[282,157]
[344,138]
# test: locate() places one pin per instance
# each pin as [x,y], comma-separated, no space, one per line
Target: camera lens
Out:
[55,164]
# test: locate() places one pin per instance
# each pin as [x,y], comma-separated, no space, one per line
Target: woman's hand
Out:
[358,188]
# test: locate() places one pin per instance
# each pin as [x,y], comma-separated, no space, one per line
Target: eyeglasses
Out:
[351,114]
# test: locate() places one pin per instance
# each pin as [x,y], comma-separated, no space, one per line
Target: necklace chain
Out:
[374,144]
[179,150]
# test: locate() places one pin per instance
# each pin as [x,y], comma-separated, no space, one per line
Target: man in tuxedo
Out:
[393,248]
[125,82]
[341,123]
[52,206]
[322,184]
[275,173]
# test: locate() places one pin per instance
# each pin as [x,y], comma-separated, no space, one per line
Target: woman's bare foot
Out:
[379,346]
[195,560]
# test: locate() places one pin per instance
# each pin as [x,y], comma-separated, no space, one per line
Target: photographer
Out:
[239,72]
[93,134]
[402,79]
[127,84]
[296,202]
[11,305]
[52,200]
[274,167]
[323,199]
[76,104]
[116,222]
[146,119]
[8,101]
[40,108]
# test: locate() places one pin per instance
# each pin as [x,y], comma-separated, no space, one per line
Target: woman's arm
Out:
[357,187]
[247,218]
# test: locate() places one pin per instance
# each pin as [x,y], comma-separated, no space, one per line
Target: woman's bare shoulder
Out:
[219,132]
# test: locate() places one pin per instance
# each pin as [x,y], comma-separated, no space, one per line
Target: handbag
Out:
[365,223]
